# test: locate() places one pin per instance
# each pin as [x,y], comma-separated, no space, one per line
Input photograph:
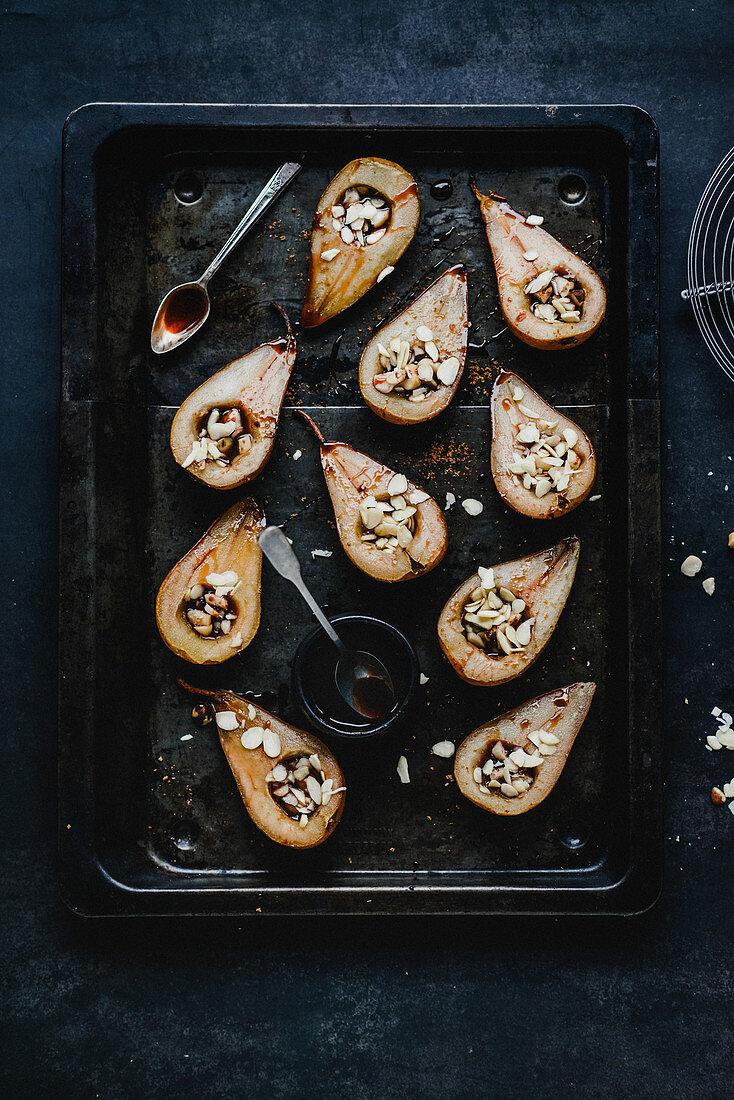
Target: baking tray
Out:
[153,824]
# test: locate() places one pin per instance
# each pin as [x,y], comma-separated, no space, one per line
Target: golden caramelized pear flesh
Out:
[543,463]
[223,433]
[389,527]
[291,785]
[412,367]
[208,607]
[365,220]
[500,620]
[511,764]
[550,298]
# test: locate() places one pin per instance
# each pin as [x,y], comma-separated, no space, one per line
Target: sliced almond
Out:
[691,566]
[226,720]
[271,743]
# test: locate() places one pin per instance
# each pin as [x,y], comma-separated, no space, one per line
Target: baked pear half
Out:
[509,765]
[365,220]
[543,463]
[499,621]
[550,298]
[223,434]
[411,368]
[389,527]
[208,607]
[291,785]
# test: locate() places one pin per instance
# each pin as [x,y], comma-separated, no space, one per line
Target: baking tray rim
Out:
[86,887]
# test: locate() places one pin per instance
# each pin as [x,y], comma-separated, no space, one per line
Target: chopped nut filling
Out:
[413,368]
[556,296]
[494,619]
[543,459]
[509,770]
[361,216]
[299,786]
[222,438]
[388,519]
[208,607]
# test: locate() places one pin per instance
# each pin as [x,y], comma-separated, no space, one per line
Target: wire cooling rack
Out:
[711,265]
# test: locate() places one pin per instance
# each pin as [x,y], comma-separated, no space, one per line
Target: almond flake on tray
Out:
[723,738]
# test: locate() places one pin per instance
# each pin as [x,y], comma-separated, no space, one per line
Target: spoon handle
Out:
[280,554]
[277,183]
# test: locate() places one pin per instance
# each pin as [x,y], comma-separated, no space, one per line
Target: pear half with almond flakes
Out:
[500,620]
[543,463]
[208,607]
[365,220]
[509,765]
[223,434]
[550,297]
[389,527]
[290,782]
[411,368]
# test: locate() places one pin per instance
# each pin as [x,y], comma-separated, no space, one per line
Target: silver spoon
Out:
[358,674]
[188,304]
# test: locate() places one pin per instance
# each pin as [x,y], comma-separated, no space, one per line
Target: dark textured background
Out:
[638,1008]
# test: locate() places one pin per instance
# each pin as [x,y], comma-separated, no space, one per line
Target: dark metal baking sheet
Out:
[152,824]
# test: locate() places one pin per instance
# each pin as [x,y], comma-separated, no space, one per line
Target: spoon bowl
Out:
[365,684]
[181,313]
[313,677]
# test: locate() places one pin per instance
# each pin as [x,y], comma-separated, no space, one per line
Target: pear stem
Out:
[312,425]
[481,195]
[201,692]
[287,320]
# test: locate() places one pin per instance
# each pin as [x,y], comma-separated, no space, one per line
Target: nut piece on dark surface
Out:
[202,714]
[717,797]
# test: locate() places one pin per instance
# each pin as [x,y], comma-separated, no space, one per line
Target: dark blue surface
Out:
[638,1008]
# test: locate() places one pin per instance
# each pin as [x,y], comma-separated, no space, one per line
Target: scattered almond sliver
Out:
[691,566]
[252,738]
[226,720]
[724,736]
